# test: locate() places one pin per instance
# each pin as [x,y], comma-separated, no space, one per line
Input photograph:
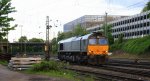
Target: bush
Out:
[48,66]
[135,46]
[3,62]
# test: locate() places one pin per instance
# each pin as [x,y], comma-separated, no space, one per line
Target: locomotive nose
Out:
[97,49]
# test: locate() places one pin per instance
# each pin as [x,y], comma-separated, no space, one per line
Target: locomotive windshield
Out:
[102,41]
[92,41]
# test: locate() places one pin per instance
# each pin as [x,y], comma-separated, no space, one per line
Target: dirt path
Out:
[8,75]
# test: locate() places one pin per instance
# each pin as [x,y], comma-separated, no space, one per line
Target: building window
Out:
[132,19]
[144,16]
[147,23]
[147,31]
[144,32]
[127,34]
[141,18]
[138,18]
[144,24]
[141,25]
[135,26]
[138,32]
[125,28]
[127,21]
[118,29]
[132,27]
[138,25]
[141,32]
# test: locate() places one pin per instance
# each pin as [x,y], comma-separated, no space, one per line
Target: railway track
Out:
[140,63]
[101,73]
[129,70]
[144,66]
[115,71]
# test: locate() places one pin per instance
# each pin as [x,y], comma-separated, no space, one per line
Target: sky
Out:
[31,14]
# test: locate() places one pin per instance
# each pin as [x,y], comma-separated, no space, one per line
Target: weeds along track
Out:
[101,73]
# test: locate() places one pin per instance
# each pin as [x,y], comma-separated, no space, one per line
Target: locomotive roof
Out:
[75,38]
[86,36]
[67,40]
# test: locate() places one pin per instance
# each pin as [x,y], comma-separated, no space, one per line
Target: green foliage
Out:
[5,10]
[61,36]
[107,30]
[147,7]
[29,48]
[56,69]
[54,45]
[36,40]
[3,62]
[79,31]
[48,66]
[116,46]
[23,39]
[134,46]
[120,38]
[110,39]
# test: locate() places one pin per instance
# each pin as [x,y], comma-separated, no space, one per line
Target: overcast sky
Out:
[31,14]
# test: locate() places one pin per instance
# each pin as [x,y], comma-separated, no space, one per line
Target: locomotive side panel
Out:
[67,46]
[75,46]
[84,45]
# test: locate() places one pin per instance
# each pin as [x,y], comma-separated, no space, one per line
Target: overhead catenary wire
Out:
[129,7]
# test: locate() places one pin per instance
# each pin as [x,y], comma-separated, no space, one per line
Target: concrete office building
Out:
[132,27]
[88,21]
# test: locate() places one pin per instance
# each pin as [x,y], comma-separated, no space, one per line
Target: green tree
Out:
[79,31]
[23,39]
[54,45]
[60,36]
[147,7]
[108,30]
[35,48]
[120,38]
[36,40]
[5,10]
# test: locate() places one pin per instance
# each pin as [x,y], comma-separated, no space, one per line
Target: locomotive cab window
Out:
[61,46]
[92,41]
[102,41]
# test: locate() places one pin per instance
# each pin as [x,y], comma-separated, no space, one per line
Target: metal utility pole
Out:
[47,47]
[105,24]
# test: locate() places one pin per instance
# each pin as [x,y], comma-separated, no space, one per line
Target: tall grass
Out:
[135,46]
[55,69]
[48,66]
[3,62]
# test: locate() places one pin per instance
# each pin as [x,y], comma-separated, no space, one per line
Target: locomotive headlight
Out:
[90,51]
